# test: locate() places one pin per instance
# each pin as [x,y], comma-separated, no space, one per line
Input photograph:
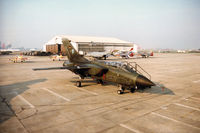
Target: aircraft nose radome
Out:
[143,81]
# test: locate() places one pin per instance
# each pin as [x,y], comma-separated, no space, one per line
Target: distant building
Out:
[4,46]
[181,51]
[167,51]
[88,44]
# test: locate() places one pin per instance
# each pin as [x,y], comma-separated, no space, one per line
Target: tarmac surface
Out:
[49,101]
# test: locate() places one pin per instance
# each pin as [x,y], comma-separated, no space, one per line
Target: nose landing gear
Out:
[121,91]
[132,90]
[123,88]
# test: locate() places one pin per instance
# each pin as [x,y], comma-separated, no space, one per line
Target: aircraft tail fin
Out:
[151,53]
[131,49]
[131,53]
[72,54]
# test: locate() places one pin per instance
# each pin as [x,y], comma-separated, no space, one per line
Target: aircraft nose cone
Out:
[143,81]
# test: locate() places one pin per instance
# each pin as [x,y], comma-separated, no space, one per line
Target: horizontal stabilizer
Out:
[50,68]
[65,67]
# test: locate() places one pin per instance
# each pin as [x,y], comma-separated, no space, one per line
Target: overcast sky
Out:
[149,23]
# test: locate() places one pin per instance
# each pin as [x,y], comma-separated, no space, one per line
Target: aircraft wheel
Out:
[78,83]
[141,87]
[132,90]
[99,81]
[122,88]
[120,91]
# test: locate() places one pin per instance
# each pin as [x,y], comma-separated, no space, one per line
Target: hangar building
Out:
[88,44]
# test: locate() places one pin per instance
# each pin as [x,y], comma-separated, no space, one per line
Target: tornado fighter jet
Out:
[120,73]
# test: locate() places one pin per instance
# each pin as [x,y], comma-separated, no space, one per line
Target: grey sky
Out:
[149,23]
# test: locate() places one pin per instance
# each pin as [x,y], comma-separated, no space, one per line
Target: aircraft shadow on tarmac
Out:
[158,89]
[8,92]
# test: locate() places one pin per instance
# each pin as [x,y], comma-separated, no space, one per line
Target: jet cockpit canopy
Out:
[122,65]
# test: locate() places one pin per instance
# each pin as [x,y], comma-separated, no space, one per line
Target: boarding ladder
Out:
[137,68]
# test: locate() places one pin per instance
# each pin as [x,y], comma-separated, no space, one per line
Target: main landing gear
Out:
[123,88]
[78,83]
[121,91]
[99,81]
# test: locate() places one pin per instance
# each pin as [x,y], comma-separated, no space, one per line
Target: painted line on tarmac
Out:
[195,98]
[187,106]
[23,99]
[55,94]
[93,93]
[165,117]
[131,129]
[196,81]
[87,91]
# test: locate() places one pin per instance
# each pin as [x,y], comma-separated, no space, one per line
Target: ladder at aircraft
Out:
[139,69]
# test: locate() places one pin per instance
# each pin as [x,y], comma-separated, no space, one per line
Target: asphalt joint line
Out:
[4,99]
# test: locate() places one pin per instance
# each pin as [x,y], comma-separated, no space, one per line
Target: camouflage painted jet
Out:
[122,74]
